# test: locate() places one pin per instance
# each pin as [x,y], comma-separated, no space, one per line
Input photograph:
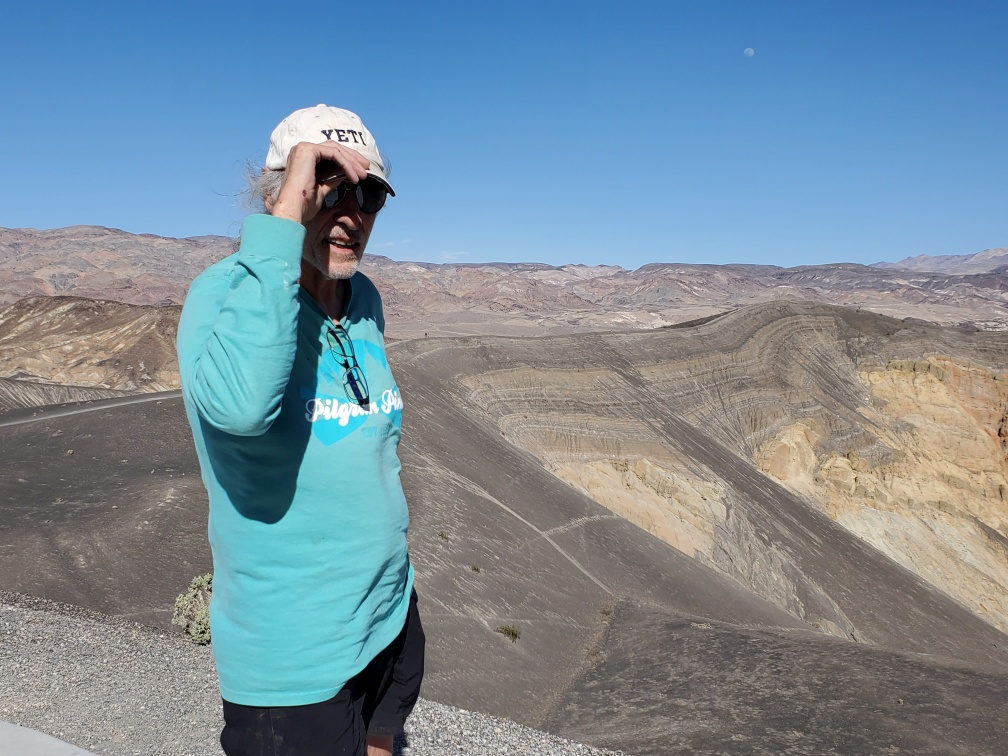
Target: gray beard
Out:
[345,273]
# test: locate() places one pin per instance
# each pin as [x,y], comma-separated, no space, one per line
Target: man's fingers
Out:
[302,190]
[305,157]
[353,165]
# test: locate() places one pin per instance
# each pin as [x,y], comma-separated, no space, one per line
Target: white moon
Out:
[748,52]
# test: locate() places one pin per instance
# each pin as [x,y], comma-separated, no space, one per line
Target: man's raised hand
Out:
[301,192]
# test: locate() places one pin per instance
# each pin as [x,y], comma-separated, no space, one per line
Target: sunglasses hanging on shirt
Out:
[354,380]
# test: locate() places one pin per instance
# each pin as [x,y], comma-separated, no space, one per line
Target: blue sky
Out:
[565,132]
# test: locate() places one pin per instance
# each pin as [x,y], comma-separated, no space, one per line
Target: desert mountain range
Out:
[518,299]
[728,514]
[981,262]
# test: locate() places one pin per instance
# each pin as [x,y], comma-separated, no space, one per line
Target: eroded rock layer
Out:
[895,431]
[16,394]
[926,484]
[87,342]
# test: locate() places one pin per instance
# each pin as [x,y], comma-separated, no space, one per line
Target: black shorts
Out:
[375,702]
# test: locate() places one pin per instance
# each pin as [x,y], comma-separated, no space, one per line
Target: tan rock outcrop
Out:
[933,497]
[668,502]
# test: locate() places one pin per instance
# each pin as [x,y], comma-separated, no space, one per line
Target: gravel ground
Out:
[113,687]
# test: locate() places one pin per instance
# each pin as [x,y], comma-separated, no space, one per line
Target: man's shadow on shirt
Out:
[260,473]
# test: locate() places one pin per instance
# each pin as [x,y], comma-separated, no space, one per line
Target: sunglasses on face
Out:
[370,195]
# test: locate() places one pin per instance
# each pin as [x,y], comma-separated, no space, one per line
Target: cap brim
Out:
[383,182]
[377,177]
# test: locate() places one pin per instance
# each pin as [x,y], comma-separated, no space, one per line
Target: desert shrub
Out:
[192,609]
[509,631]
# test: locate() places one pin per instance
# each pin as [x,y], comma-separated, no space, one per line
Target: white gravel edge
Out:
[121,689]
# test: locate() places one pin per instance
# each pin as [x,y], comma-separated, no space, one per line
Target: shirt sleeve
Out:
[237,335]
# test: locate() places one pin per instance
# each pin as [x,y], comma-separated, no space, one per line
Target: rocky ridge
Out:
[17,394]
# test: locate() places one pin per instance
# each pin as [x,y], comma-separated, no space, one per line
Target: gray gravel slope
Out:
[113,687]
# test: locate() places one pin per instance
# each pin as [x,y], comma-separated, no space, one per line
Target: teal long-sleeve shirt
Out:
[307,519]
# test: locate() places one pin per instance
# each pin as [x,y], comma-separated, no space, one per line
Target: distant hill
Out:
[509,299]
[103,263]
[982,262]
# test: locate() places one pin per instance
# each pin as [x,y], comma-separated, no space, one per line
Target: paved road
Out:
[78,408]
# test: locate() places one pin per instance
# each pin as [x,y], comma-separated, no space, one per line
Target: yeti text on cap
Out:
[341,135]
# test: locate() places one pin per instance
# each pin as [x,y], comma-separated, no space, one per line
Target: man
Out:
[296,420]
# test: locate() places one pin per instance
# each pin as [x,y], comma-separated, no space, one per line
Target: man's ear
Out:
[269,203]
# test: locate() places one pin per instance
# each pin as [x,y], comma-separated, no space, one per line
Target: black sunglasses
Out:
[370,194]
[354,380]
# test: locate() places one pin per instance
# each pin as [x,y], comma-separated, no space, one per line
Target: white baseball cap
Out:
[320,124]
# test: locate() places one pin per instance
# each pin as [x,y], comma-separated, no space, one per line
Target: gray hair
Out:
[263,187]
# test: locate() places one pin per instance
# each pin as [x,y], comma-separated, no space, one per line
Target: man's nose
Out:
[348,208]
